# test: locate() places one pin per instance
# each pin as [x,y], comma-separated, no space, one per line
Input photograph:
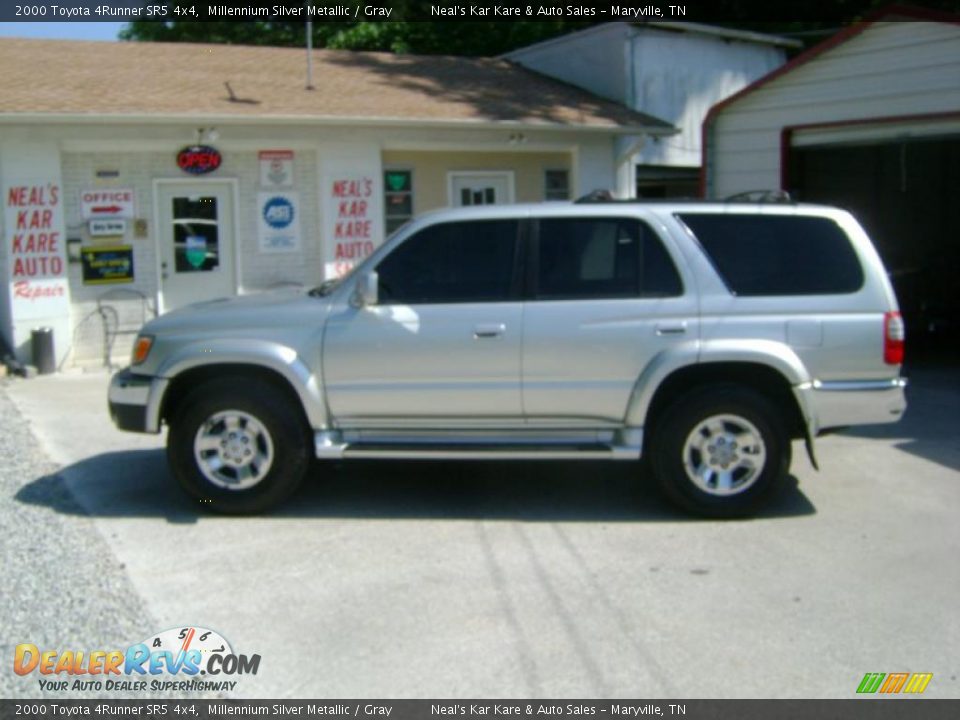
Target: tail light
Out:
[894,334]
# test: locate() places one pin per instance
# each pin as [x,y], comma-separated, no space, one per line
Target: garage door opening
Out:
[906,193]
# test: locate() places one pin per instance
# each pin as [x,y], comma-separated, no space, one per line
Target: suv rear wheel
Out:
[236,447]
[720,452]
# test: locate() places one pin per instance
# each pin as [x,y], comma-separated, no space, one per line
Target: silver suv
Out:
[700,338]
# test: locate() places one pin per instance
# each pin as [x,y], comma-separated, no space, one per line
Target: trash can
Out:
[41,340]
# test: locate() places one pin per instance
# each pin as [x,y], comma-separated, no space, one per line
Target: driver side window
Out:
[458,262]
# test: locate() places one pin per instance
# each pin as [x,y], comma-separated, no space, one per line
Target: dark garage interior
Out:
[906,193]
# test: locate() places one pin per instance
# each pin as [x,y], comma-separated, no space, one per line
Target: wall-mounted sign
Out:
[107,265]
[350,229]
[106,203]
[276,168]
[101,228]
[278,221]
[198,159]
[36,256]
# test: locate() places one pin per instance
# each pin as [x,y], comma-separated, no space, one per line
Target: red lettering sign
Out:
[198,159]
[35,250]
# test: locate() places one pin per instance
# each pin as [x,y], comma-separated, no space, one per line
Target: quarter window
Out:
[452,263]
[765,255]
[602,258]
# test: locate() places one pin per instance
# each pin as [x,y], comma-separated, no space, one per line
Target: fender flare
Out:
[281,359]
[772,354]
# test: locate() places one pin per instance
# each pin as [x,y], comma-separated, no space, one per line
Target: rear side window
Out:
[602,258]
[456,262]
[778,255]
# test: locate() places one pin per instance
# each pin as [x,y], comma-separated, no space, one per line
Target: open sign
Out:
[198,159]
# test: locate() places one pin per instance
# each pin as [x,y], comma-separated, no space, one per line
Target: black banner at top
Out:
[705,11]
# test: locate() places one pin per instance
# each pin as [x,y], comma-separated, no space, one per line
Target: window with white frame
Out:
[398,197]
[556,184]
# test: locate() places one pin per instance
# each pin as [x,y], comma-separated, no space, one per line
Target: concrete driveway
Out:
[533,580]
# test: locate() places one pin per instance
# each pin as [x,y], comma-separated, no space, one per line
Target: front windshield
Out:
[328,286]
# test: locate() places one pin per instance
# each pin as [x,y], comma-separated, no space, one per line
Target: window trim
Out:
[546,188]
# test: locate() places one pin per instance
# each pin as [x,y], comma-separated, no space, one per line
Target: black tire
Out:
[669,453]
[278,427]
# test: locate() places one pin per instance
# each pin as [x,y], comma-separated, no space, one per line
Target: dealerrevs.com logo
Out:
[179,659]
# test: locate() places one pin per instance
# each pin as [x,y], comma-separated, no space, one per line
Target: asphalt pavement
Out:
[491,580]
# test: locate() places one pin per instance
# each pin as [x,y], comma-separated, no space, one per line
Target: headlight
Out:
[141,348]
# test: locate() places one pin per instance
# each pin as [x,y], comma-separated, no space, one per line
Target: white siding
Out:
[142,154]
[138,171]
[891,69]
[674,76]
[593,59]
[678,77]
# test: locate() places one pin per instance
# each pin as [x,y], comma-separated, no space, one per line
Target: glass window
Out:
[556,185]
[398,198]
[778,254]
[603,258]
[196,235]
[452,263]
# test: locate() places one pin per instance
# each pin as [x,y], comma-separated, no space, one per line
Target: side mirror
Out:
[366,290]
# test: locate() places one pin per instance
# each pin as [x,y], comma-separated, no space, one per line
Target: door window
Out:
[196,234]
[452,263]
[602,258]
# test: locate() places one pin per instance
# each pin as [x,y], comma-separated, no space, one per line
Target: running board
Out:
[330,446]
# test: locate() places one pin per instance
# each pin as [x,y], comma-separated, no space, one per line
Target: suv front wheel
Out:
[237,447]
[720,452]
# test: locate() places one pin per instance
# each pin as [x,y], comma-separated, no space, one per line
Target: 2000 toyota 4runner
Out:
[700,337]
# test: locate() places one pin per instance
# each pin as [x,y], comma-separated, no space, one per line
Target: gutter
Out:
[158,119]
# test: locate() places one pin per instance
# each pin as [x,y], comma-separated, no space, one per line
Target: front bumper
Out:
[836,404]
[134,401]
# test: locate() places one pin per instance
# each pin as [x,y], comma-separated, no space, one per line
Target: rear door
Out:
[606,297]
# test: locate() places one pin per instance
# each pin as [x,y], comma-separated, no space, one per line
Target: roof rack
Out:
[595,196]
[750,196]
[760,196]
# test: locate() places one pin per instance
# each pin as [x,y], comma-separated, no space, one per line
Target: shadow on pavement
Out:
[136,483]
[930,429]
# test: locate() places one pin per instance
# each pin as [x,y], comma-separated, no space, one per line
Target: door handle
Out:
[671,328]
[488,330]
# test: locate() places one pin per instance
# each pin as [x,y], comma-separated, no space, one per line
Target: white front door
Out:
[195,233]
[482,188]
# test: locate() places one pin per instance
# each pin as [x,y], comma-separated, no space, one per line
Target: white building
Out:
[868,120]
[671,70]
[139,177]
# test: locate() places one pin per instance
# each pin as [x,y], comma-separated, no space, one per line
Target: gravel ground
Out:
[62,587]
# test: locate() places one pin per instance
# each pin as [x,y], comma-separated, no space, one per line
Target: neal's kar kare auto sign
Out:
[36,262]
[350,230]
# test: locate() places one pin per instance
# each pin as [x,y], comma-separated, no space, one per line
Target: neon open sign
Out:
[198,159]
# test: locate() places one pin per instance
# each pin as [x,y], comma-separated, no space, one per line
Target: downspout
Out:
[625,149]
